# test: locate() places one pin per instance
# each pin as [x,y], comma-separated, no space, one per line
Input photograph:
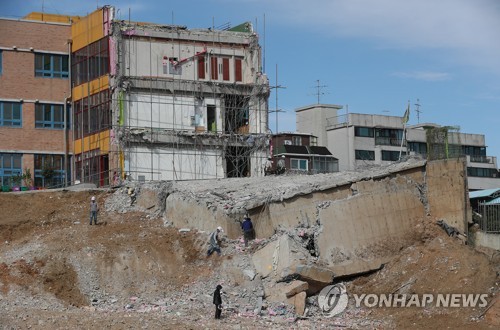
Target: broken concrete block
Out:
[300,303]
[295,287]
[279,257]
[249,273]
[184,230]
[315,273]
[275,292]
[358,266]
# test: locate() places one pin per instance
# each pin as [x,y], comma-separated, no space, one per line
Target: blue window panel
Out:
[10,114]
[51,66]
[56,164]
[10,166]
[298,164]
[50,116]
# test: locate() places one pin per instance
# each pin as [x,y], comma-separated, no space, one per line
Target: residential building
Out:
[299,153]
[361,140]
[163,102]
[35,134]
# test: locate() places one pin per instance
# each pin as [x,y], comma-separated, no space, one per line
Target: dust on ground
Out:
[133,271]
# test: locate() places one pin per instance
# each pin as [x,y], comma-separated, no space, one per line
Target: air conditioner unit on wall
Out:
[287,142]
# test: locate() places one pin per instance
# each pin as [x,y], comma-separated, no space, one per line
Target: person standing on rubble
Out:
[268,166]
[218,302]
[247,227]
[94,208]
[214,242]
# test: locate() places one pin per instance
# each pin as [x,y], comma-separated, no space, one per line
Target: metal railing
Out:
[490,218]
[481,159]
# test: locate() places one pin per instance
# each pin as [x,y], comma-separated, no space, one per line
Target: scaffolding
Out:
[225,137]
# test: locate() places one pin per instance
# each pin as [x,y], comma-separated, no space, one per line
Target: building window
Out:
[474,151]
[10,114]
[238,69]
[225,69]
[90,62]
[364,132]
[482,172]
[174,67]
[51,66]
[10,166]
[388,137]
[49,116]
[92,114]
[201,67]
[323,165]
[418,147]
[391,155]
[297,140]
[49,170]
[214,70]
[298,164]
[364,154]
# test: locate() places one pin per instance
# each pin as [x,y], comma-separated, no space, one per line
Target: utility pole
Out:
[418,111]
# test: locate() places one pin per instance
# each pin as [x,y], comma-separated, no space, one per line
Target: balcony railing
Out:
[481,159]
[386,141]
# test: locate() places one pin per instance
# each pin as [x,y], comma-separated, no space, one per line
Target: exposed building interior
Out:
[161,102]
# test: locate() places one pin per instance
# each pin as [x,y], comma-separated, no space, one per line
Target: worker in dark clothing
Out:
[247,227]
[218,301]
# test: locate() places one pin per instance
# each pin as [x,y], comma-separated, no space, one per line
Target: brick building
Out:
[34,90]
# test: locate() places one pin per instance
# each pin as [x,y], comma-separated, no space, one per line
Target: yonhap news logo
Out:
[334,299]
[439,300]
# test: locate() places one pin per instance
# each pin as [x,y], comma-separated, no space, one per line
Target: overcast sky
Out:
[369,56]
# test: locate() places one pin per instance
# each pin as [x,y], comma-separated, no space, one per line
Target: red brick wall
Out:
[39,35]
[18,81]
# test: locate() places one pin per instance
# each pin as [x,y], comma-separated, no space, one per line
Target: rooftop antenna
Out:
[264,46]
[276,87]
[418,111]
[319,91]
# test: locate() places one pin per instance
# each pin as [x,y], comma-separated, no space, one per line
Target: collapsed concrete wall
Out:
[352,221]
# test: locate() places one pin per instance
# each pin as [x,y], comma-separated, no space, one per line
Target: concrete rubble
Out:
[377,215]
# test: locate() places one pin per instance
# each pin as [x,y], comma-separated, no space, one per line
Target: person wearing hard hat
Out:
[214,242]
[93,210]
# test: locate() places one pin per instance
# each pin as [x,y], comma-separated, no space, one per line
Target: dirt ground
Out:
[133,272]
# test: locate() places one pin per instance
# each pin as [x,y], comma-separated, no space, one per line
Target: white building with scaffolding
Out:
[185,104]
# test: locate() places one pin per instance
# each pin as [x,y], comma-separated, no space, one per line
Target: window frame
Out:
[6,179]
[17,122]
[52,60]
[52,123]
[57,163]
[358,131]
[358,154]
[391,155]
[298,166]
[297,140]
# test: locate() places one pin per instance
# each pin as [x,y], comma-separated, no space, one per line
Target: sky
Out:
[372,57]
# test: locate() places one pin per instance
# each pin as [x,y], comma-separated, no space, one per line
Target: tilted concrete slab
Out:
[279,259]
